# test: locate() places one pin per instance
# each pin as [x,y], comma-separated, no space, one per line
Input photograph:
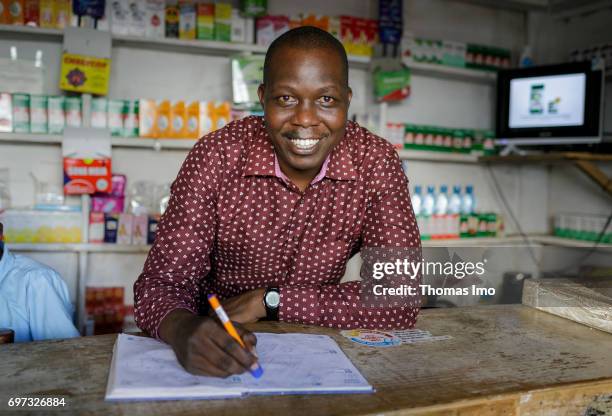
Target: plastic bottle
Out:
[454,204]
[526,60]
[468,202]
[417,200]
[442,201]
[428,202]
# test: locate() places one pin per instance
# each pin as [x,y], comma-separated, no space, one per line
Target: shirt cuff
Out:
[299,304]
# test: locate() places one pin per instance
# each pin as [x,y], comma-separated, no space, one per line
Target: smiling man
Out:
[266,212]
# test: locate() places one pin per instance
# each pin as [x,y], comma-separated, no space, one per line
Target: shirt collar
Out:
[6,263]
[262,160]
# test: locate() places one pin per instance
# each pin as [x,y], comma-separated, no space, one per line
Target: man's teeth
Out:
[304,143]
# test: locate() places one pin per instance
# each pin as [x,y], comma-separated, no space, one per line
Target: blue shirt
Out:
[34,300]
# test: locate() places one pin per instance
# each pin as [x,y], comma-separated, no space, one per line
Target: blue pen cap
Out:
[258,372]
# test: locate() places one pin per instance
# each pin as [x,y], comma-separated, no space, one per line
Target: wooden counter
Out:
[510,360]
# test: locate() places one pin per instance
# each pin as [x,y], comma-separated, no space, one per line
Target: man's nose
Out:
[306,114]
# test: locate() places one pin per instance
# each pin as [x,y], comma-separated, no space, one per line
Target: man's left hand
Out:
[247,307]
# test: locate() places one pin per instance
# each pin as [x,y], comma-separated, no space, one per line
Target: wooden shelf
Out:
[431,156]
[451,72]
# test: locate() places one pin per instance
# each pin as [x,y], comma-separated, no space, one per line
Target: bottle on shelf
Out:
[454,204]
[417,199]
[428,202]
[468,202]
[441,206]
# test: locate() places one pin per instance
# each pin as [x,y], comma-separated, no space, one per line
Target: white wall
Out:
[154,74]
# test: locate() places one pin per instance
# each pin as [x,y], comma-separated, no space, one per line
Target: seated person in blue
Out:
[34,299]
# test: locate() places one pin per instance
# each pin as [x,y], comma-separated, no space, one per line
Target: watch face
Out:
[272,299]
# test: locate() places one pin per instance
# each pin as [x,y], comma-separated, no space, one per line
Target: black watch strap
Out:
[271,301]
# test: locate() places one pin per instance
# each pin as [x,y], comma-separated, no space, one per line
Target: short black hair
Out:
[306,37]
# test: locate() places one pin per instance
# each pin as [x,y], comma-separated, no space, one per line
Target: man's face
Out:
[305,102]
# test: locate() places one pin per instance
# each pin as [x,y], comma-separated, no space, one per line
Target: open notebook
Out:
[146,369]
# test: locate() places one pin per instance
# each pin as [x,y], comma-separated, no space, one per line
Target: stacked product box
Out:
[180,119]
[450,226]
[53,14]
[31,226]
[105,310]
[41,114]
[443,139]
[583,227]
[451,53]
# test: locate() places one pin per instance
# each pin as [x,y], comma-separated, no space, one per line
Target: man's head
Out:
[305,96]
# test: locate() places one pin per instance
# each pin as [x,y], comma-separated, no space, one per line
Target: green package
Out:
[116,117]
[21,113]
[56,115]
[254,8]
[130,124]
[38,114]
[223,22]
[391,85]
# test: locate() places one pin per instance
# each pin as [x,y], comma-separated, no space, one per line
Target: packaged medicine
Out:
[206,21]
[156,20]
[38,114]
[187,20]
[137,20]
[172,19]
[116,117]
[56,115]
[74,114]
[147,118]
[21,113]
[99,113]
[131,121]
[6,113]
[223,21]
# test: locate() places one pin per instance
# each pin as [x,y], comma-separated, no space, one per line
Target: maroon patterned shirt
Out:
[232,225]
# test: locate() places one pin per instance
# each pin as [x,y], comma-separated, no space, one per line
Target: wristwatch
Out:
[271,301]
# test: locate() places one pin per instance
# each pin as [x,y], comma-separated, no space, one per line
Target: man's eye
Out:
[286,99]
[326,99]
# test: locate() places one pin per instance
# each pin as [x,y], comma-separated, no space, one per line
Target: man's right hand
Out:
[203,346]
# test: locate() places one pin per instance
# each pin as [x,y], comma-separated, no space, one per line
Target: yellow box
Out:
[85,74]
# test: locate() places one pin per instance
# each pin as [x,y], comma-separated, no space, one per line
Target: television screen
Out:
[549,102]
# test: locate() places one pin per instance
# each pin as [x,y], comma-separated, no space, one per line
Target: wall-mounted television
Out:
[556,104]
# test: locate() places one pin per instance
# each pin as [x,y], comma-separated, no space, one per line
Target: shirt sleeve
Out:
[180,257]
[390,227]
[50,313]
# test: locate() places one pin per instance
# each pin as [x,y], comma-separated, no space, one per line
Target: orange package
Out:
[15,11]
[31,14]
[193,120]
[162,120]
[178,120]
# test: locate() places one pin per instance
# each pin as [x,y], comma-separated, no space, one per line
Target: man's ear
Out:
[350,96]
[261,91]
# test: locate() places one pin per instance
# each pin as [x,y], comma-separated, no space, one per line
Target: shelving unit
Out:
[186,144]
[201,47]
[509,241]
[451,72]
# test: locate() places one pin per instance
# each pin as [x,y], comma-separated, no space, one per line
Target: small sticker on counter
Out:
[376,338]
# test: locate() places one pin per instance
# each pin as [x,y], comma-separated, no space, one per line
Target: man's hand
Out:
[203,346]
[245,308]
